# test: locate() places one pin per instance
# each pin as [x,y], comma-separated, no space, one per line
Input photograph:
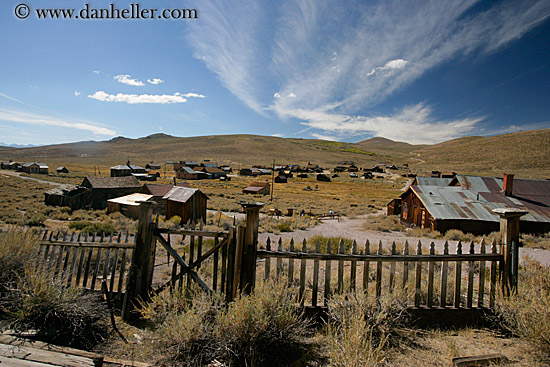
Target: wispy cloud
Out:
[96,71]
[144,98]
[10,115]
[76,93]
[414,124]
[127,79]
[155,81]
[342,61]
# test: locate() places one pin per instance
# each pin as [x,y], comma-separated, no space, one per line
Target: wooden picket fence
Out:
[462,277]
[86,259]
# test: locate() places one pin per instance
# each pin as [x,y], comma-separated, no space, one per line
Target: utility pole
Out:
[272,179]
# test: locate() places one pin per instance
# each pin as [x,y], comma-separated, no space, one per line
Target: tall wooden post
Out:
[509,239]
[248,260]
[140,275]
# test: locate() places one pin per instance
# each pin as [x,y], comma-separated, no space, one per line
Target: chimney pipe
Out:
[508,184]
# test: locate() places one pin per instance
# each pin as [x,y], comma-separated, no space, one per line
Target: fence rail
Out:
[437,280]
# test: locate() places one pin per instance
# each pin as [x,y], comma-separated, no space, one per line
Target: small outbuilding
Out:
[35,167]
[62,169]
[187,203]
[127,205]
[258,188]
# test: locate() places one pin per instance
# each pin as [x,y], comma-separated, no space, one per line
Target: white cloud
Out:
[155,81]
[292,95]
[76,93]
[95,71]
[413,124]
[324,137]
[44,120]
[277,95]
[127,79]
[144,98]
[389,67]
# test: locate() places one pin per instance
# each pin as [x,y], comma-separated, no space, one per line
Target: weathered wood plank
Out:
[328,266]
[366,268]
[392,267]
[340,284]
[378,280]
[493,276]
[444,272]
[481,288]
[458,276]
[122,274]
[96,269]
[418,278]
[303,274]
[353,268]
[315,287]
[215,265]
[279,269]
[470,291]
[405,265]
[431,277]
[291,264]
[267,260]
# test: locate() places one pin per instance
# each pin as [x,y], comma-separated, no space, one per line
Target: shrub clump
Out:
[263,329]
[383,223]
[360,329]
[526,313]
[92,227]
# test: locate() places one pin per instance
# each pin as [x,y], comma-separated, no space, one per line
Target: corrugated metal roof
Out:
[181,194]
[131,199]
[476,197]
[188,170]
[131,167]
[433,181]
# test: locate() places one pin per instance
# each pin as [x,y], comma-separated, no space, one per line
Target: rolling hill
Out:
[525,153]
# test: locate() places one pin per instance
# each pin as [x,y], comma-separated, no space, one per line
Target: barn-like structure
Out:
[187,203]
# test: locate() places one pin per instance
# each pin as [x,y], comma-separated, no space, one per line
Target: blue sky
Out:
[414,71]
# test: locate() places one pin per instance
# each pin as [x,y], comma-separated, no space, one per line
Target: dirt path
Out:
[351,228]
[18,174]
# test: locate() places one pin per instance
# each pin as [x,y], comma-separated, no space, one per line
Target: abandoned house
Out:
[62,169]
[73,196]
[105,188]
[466,203]
[258,188]
[35,167]
[158,191]
[10,165]
[128,205]
[126,170]
[188,173]
[281,178]
[394,207]
[187,203]
[153,166]
[213,172]
[323,178]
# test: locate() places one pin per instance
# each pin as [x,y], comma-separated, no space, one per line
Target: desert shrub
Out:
[59,314]
[286,224]
[383,223]
[17,249]
[458,235]
[526,313]
[34,219]
[423,232]
[334,243]
[536,240]
[92,227]
[263,329]
[360,329]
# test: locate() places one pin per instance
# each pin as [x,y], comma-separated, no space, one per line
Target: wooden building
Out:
[105,188]
[258,188]
[281,178]
[35,167]
[126,170]
[11,165]
[62,169]
[188,173]
[157,192]
[467,204]
[213,172]
[187,203]
[128,205]
[394,207]
[72,196]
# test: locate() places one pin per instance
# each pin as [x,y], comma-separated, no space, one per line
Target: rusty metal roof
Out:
[476,197]
[433,181]
[181,194]
[132,199]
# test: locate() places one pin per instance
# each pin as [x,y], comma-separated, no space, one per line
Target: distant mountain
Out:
[387,146]
[17,145]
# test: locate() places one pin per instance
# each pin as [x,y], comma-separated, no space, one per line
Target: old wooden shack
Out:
[62,169]
[35,167]
[188,173]
[467,204]
[257,188]
[187,203]
[128,205]
[105,188]
[126,170]
[73,196]
[158,192]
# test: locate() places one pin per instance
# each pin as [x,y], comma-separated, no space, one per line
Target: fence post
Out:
[509,239]
[140,275]
[248,260]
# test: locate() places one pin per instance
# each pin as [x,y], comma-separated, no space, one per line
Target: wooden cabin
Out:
[126,170]
[258,188]
[128,205]
[187,203]
[105,188]
[35,167]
